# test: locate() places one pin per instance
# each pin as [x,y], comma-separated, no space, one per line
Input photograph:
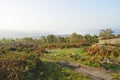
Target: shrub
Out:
[19,67]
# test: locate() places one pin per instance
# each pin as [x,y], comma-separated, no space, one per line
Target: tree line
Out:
[73,38]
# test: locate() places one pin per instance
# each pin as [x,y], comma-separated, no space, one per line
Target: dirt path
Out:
[95,73]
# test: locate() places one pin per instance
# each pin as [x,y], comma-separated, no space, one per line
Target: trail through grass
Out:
[76,55]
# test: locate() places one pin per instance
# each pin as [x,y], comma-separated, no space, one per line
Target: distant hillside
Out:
[37,34]
[20,34]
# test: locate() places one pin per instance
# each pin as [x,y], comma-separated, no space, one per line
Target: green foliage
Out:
[112,67]
[75,37]
[20,67]
[60,39]
[51,39]
[18,47]
[5,40]
[53,71]
[91,39]
[27,39]
[69,54]
[106,33]
[43,39]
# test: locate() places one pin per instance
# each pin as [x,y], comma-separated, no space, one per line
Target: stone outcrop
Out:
[115,41]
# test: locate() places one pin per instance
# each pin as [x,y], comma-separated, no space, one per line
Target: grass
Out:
[77,55]
[30,67]
[48,69]
[113,67]
[53,71]
[64,54]
[62,73]
[69,54]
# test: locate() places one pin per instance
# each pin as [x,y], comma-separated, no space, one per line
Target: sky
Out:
[59,16]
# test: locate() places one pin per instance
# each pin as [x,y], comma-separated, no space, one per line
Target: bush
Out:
[20,67]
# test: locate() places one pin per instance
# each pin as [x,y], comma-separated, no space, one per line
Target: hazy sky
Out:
[61,16]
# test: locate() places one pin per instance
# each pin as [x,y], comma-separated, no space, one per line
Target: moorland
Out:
[73,57]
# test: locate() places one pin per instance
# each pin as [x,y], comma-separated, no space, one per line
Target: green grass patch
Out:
[54,71]
[69,54]
[113,67]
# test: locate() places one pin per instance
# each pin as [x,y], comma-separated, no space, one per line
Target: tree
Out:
[28,39]
[51,38]
[60,39]
[43,39]
[106,33]
[67,39]
[88,38]
[95,38]
[75,37]
[6,40]
[18,40]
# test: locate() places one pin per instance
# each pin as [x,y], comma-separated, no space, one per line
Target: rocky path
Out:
[95,73]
